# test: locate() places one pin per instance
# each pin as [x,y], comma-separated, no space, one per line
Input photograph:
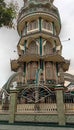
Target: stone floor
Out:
[26,127]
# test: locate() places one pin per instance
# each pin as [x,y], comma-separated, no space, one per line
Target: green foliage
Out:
[8,13]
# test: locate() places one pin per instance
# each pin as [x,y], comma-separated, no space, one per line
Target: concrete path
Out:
[25,127]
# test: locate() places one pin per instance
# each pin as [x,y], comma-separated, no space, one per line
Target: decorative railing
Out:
[47,52]
[44,108]
[24,12]
[69,108]
[40,108]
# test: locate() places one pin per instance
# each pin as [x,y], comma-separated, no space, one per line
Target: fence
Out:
[40,108]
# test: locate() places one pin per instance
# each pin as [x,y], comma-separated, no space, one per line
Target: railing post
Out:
[13,105]
[60,105]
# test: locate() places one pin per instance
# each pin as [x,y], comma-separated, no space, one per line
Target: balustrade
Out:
[41,108]
[24,12]
[69,108]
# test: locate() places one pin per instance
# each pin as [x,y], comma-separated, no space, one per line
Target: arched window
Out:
[48,71]
[48,48]
[33,48]
[32,25]
[47,26]
[31,70]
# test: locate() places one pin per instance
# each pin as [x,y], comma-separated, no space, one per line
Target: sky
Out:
[9,39]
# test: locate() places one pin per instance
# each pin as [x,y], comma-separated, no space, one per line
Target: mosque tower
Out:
[35,92]
[40,62]
[39,47]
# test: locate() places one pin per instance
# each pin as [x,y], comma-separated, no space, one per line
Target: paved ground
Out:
[26,127]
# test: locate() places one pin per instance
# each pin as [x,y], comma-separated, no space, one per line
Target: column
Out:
[26,28]
[25,42]
[12,106]
[60,105]
[40,46]
[40,20]
[53,28]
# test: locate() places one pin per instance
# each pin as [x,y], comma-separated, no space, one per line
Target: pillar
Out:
[12,106]
[60,105]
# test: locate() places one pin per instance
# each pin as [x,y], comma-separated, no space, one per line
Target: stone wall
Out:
[4,117]
[51,118]
[69,118]
[36,118]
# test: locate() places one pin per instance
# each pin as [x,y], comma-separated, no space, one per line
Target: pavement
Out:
[30,127]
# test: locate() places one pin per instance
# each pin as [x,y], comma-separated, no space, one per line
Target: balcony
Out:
[51,56]
[24,12]
[28,56]
[38,11]
[54,57]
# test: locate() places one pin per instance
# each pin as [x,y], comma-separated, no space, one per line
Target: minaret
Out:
[39,46]
[35,91]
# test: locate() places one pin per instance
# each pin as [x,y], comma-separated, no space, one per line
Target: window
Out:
[48,70]
[48,48]
[31,69]
[46,25]
[32,25]
[33,48]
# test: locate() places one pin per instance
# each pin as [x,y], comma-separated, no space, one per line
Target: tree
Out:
[8,13]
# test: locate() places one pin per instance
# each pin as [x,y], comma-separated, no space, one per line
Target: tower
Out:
[40,60]
[40,64]
[36,92]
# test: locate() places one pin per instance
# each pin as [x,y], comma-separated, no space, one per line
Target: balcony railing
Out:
[36,54]
[24,12]
[69,108]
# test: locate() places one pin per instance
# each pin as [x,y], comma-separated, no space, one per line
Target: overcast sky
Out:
[9,39]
